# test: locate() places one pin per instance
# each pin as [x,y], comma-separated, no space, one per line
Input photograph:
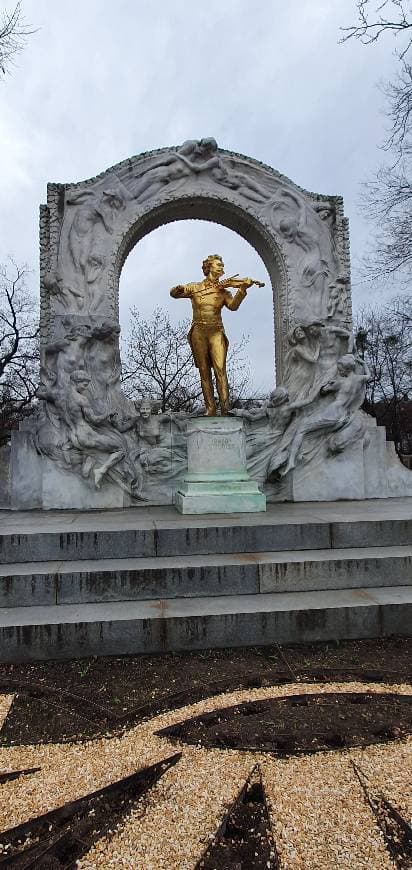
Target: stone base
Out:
[372,470]
[210,497]
[331,479]
[127,582]
[217,480]
[38,482]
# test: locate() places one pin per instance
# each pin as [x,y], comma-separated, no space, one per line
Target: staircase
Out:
[149,580]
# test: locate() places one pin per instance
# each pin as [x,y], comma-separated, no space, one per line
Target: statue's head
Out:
[76,330]
[314,329]
[297,334]
[288,226]
[107,329]
[213,266]
[113,199]
[346,364]
[145,408]
[81,380]
[208,145]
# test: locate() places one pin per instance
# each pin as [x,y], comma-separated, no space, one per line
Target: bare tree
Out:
[13,36]
[158,363]
[19,351]
[384,337]
[387,196]
[379,17]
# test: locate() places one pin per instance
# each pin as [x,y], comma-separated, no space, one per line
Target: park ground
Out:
[293,757]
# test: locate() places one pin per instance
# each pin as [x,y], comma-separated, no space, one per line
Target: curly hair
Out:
[348,361]
[207,263]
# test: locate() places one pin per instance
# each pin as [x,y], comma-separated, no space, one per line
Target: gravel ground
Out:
[319,815]
[5,704]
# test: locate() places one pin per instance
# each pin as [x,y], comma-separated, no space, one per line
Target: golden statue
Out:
[207,336]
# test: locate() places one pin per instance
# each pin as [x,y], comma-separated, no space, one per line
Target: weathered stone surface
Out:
[340,477]
[4,477]
[68,630]
[298,572]
[374,462]
[159,531]
[61,489]
[25,473]
[71,582]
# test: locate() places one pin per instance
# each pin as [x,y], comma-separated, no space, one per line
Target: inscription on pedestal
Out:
[223,444]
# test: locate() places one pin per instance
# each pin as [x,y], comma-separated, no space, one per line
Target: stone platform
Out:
[217,480]
[149,580]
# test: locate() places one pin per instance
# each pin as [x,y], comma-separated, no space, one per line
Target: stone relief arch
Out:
[87,230]
[88,446]
[234,218]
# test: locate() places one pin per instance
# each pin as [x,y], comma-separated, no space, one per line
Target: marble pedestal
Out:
[217,480]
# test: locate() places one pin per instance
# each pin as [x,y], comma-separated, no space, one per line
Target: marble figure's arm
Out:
[306,353]
[259,414]
[79,196]
[366,370]
[91,417]
[199,167]
[329,387]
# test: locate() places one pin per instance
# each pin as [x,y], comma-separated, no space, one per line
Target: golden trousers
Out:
[209,346]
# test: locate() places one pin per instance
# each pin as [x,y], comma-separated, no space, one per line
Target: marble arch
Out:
[89,228]
[87,446]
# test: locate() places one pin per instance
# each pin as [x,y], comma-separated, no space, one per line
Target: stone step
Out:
[160,532]
[130,627]
[104,580]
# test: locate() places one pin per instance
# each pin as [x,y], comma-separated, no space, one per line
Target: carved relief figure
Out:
[153,437]
[157,176]
[207,336]
[264,430]
[66,354]
[202,157]
[296,229]
[326,211]
[94,216]
[196,157]
[347,391]
[90,434]
[80,386]
[173,169]
[90,431]
[337,298]
[103,363]
[334,342]
[63,292]
[301,361]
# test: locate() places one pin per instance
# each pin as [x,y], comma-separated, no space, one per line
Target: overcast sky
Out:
[101,81]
